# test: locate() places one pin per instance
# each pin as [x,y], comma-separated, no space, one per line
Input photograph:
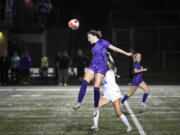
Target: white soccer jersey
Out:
[109,82]
[111,90]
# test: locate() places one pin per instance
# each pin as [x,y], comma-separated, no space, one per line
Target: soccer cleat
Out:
[129,129]
[77,106]
[94,128]
[144,105]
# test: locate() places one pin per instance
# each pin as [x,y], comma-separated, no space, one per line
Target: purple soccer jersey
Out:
[99,51]
[137,78]
[98,65]
[99,59]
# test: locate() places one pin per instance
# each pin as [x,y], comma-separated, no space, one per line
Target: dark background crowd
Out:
[17,70]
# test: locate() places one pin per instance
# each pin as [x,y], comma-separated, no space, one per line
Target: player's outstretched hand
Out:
[129,54]
[145,69]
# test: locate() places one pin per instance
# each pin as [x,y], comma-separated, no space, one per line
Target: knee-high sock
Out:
[96,118]
[82,91]
[124,98]
[96,96]
[144,97]
[125,121]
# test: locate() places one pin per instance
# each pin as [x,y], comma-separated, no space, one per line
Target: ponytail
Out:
[97,33]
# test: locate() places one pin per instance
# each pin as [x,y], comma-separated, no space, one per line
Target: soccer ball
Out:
[73,24]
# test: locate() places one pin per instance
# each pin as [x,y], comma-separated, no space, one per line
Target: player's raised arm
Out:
[110,58]
[116,49]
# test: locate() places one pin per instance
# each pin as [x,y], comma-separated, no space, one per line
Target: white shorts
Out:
[112,95]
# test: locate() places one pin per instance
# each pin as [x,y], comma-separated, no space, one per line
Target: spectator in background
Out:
[57,58]
[44,69]
[5,66]
[44,9]
[80,62]
[15,68]
[63,65]
[25,64]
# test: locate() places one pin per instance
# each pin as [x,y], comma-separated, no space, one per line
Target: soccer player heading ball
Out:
[98,66]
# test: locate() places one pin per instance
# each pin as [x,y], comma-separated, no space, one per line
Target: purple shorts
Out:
[136,81]
[98,68]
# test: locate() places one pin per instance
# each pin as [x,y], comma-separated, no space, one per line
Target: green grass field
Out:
[48,111]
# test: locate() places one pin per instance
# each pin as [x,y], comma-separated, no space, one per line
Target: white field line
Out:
[133,116]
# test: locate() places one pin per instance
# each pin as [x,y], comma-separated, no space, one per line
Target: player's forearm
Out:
[138,71]
[111,59]
[118,50]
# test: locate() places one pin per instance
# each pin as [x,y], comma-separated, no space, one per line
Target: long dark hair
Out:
[96,33]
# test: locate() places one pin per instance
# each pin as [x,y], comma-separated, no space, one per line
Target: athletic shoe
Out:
[77,106]
[94,128]
[144,105]
[65,84]
[129,129]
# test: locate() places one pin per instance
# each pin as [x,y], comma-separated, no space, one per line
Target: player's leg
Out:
[28,76]
[45,75]
[132,90]
[89,75]
[59,77]
[97,83]
[65,77]
[117,109]
[102,102]
[146,90]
